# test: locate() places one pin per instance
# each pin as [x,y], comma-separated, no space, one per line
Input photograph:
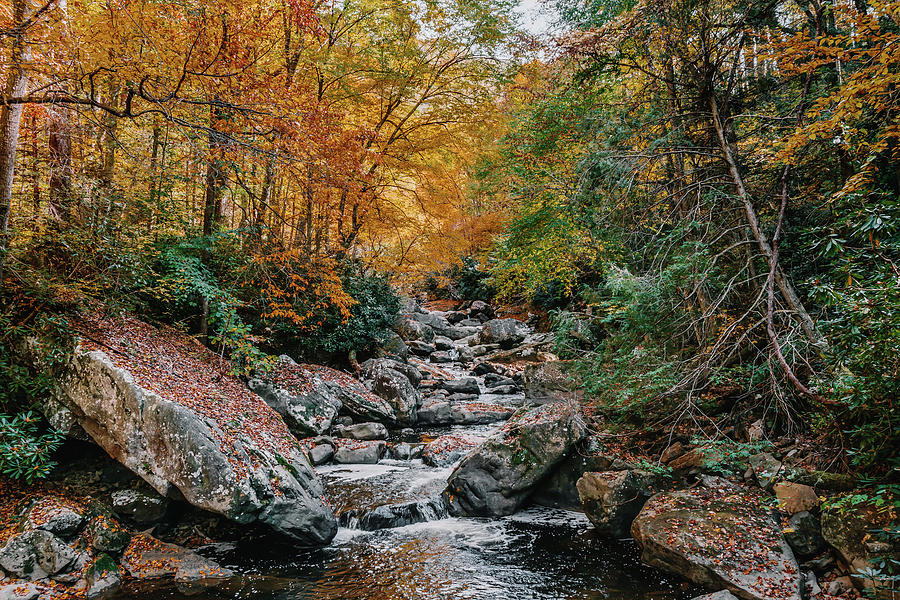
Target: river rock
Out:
[720,595]
[37,554]
[359,452]
[478,413]
[442,357]
[766,468]
[612,499]
[20,590]
[394,345]
[435,321]
[455,316]
[148,558]
[156,405]
[447,449]
[397,390]
[141,507]
[362,431]
[481,310]
[559,489]
[443,343]
[463,385]
[105,534]
[548,381]
[506,333]
[102,577]
[458,332]
[422,349]
[306,404]
[321,454]
[497,477]
[721,538]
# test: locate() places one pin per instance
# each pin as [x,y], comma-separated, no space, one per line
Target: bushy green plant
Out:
[728,456]
[25,451]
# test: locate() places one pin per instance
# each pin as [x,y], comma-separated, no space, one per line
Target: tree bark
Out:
[213,212]
[11,119]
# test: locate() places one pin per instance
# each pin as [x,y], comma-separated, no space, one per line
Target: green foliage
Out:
[654,467]
[728,456]
[372,314]
[466,280]
[25,452]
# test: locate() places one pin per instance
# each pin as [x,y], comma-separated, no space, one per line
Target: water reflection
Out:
[537,554]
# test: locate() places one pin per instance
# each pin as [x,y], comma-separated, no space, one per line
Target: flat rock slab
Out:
[169,410]
[721,538]
[497,477]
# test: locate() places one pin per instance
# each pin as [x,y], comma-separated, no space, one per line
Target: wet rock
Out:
[406,451]
[795,497]
[505,390]
[547,381]
[36,554]
[497,477]
[422,349]
[455,316]
[397,390]
[671,453]
[250,473]
[485,368]
[721,538]
[612,499]
[321,454]
[447,449]
[102,577]
[388,516]
[479,350]
[359,452]
[141,507]
[414,330]
[464,385]
[442,357]
[478,413]
[61,518]
[804,534]
[481,309]
[434,412]
[371,367]
[852,531]
[148,558]
[362,431]
[506,333]
[492,380]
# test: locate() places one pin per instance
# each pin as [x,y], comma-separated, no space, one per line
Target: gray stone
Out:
[442,357]
[612,499]
[36,554]
[106,534]
[141,507]
[434,413]
[766,468]
[412,330]
[321,454]
[463,385]
[504,332]
[559,489]
[433,320]
[244,474]
[359,452]
[455,316]
[53,515]
[720,538]
[505,390]
[20,591]
[457,332]
[362,431]
[397,390]
[497,477]
[443,343]
[371,367]
[102,578]
[420,348]
[548,381]
[720,595]
[148,558]
[406,451]
[448,449]
[395,346]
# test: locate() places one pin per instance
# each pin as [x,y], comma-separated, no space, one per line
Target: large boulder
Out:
[435,321]
[548,381]
[506,333]
[722,538]
[141,507]
[463,385]
[447,449]
[168,409]
[397,390]
[362,431]
[497,477]
[612,499]
[148,558]
[57,515]
[412,330]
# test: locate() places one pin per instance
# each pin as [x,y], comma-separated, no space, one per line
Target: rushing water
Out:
[397,543]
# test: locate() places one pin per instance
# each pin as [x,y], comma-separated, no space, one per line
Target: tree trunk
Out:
[11,120]
[213,213]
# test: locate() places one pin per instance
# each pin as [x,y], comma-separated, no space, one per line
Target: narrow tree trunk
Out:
[213,213]
[11,120]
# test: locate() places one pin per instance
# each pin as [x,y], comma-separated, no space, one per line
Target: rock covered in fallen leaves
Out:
[612,499]
[497,477]
[720,595]
[358,452]
[397,390]
[20,591]
[169,410]
[38,554]
[362,431]
[447,449]
[548,381]
[721,538]
[57,515]
[102,577]
[148,558]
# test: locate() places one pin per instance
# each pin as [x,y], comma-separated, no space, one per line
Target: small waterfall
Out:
[389,516]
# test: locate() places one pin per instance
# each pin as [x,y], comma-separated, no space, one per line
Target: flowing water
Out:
[396,542]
